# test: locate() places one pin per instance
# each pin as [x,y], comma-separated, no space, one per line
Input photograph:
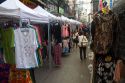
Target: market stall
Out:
[20,53]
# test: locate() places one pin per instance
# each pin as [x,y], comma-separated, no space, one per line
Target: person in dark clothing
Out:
[82,45]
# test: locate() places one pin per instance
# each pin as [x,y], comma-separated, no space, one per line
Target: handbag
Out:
[84,44]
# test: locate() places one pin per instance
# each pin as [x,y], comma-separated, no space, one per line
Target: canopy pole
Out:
[49,46]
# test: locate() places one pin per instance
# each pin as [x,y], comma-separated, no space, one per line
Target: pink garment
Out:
[65,32]
[100,4]
[38,32]
[117,75]
[57,54]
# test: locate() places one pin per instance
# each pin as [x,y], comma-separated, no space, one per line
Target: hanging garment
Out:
[1,56]
[104,36]
[65,32]
[105,72]
[57,54]
[8,45]
[39,57]
[37,28]
[4,73]
[25,48]
[105,67]
[19,76]
[39,40]
[119,76]
[117,72]
[56,31]
[100,4]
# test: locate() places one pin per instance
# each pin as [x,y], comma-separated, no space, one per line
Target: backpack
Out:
[84,44]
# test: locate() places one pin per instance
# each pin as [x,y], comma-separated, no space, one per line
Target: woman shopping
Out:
[82,44]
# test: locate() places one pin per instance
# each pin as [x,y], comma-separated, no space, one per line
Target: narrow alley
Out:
[72,70]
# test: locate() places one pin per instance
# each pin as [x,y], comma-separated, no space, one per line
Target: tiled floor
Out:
[72,70]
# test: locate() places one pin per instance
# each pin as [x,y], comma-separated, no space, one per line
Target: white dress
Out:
[25,48]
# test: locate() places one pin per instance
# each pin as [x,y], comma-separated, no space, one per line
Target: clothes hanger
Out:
[25,26]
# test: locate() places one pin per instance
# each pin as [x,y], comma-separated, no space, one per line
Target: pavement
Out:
[72,70]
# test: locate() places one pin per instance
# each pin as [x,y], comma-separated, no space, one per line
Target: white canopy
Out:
[65,19]
[18,9]
[70,20]
[74,21]
[42,11]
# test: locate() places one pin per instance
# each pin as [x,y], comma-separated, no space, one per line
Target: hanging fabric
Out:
[7,43]
[117,73]
[25,48]
[104,68]
[65,32]
[1,56]
[111,4]
[57,54]
[104,26]
[100,4]
[19,76]
[4,73]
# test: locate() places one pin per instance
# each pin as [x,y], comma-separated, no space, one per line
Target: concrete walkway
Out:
[72,70]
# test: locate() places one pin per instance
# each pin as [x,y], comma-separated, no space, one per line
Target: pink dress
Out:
[57,54]
[65,32]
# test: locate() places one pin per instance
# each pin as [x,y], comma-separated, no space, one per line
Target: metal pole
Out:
[49,47]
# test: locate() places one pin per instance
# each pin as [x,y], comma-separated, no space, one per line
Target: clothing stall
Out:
[65,35]
[20,42]
[55,36]
[28,38]
[68,26]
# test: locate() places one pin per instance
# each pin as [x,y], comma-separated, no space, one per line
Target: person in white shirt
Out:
[82,44]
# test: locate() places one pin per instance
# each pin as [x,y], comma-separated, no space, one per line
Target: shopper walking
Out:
[82,44]
[76,38]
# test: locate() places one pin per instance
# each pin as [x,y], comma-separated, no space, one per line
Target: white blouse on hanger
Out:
[25,48]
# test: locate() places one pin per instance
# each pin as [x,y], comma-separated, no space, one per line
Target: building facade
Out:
[33,3]
[83,9]
[94,4]
[72,11]
[57,9]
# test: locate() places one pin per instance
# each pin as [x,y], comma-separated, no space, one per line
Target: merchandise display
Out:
[25,45]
